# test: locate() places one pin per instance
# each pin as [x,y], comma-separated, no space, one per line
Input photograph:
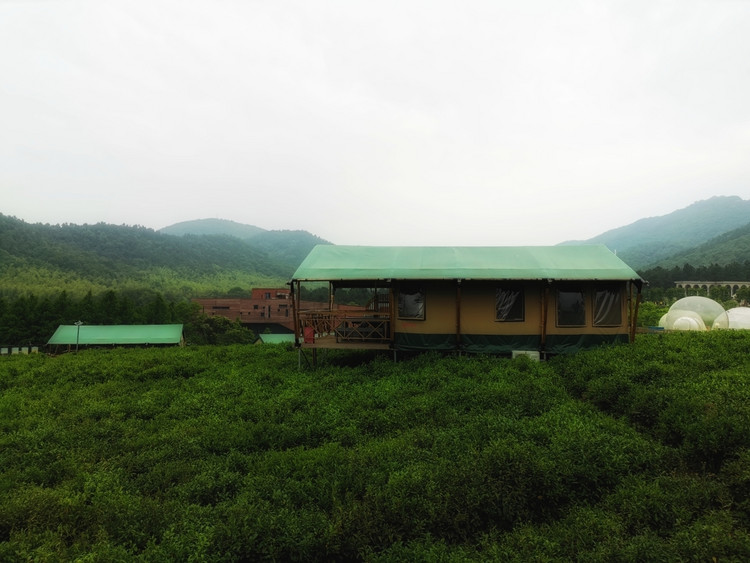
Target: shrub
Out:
[232,453]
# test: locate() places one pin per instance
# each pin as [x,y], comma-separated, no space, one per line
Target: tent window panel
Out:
[509,304]
[608,307]
[411,303]
[571,307]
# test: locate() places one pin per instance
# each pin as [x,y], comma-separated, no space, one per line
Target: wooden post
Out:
[295,313]
[458,315]
[629,288]
[392,313]
[634,318]
[545,300]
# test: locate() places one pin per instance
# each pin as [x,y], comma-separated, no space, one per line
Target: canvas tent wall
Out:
[117,335]
[477,299]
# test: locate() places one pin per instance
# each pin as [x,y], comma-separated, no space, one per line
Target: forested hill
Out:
[44,259]
[212,227]
[668,239]
[727,248]
[288,247]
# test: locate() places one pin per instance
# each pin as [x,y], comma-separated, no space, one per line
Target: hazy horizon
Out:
[447,123]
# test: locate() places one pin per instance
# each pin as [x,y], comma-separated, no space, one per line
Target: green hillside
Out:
[287,247]
[723,258]
[651,241]
[733,246]
[212,227]
[44,259]
[215,258]
[624,453]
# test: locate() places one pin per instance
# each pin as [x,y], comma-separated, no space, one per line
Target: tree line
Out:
[661,281]
[665,277]
[32,320]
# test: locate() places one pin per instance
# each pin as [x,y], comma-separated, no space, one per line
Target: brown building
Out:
[267,308]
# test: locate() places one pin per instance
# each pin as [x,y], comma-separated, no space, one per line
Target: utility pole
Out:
[78,332]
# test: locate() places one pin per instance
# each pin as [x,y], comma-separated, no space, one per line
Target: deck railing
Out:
[345,326]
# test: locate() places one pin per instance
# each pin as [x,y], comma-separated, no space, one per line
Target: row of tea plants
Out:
[638,452]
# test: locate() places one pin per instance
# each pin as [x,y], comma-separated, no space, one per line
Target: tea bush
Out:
[690,391]
[232,453]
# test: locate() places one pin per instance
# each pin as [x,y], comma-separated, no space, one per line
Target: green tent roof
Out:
[116,334]
[276,338]
[349,263]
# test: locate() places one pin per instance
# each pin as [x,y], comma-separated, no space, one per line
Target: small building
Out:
[732,286]
[72,336]
[500,300]
[275,339]
[267,308]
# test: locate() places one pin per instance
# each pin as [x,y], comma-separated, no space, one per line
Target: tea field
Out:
[630,453]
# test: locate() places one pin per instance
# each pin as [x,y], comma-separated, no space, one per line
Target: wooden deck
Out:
[345,329]
[330,342]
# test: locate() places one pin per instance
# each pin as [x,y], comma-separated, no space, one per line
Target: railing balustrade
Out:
[346,326]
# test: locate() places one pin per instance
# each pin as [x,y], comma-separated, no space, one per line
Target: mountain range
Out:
[43,259]
[288,247]
[216,257]
[715,230]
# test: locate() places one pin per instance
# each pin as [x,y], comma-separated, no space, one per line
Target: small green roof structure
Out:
[276,338]
[103,335]
[349,263]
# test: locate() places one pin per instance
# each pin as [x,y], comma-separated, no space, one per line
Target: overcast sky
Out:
[383,122]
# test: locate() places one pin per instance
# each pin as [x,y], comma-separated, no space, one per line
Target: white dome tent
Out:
[679,319]
[737,318]
[706,308]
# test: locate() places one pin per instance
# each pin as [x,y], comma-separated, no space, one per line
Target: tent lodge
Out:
[500,300]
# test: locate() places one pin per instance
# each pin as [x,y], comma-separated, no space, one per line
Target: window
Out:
[607,306]
[411,303]
[571,307]
[509,304]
